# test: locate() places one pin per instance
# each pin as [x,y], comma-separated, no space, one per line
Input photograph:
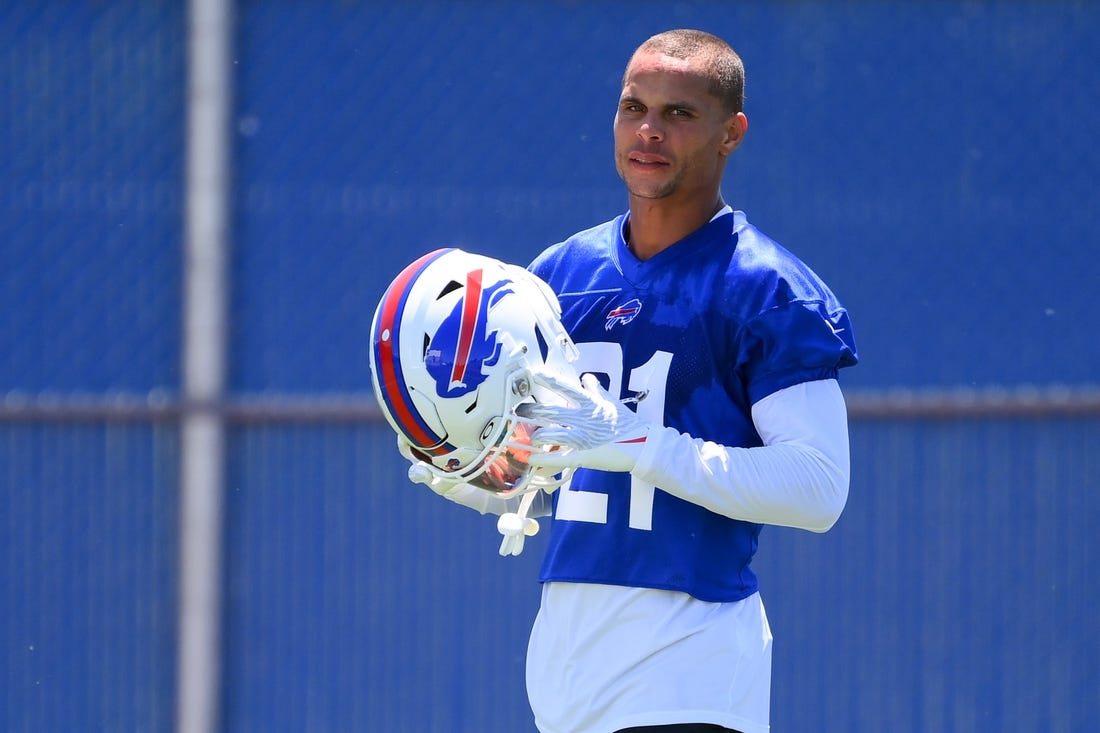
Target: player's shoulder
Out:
[758,253]
[762,266]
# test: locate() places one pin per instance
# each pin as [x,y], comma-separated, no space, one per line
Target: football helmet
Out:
[455,342]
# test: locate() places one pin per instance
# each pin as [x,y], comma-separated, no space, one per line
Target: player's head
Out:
[718,60]
[454,343]
[680,115]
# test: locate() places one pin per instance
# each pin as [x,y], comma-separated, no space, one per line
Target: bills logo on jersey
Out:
[463,346]
[623,314]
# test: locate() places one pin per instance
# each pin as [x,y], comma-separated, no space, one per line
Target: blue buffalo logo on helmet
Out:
[623,314]
[462,347]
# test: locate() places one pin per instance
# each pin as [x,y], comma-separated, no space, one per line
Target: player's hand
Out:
[450,489]
[514,525]
[594,430]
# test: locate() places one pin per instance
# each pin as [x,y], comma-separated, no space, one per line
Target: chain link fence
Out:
[934,162]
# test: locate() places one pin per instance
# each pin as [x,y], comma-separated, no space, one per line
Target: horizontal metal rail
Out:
[136,408]
[863,405]
[974,402]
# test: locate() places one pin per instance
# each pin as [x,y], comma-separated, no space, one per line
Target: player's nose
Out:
[650,129]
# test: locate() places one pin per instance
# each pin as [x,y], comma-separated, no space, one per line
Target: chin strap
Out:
[517,526]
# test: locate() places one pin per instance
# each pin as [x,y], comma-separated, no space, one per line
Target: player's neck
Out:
[657,224]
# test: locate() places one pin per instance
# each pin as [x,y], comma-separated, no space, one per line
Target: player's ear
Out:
[736,127]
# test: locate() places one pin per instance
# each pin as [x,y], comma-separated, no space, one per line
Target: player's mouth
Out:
[647,161]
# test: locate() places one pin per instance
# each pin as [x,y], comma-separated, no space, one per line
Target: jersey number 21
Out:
[606,358]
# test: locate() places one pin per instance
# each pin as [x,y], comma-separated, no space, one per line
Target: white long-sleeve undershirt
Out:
[798,478]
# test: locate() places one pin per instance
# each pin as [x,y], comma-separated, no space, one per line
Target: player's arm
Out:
[798,478]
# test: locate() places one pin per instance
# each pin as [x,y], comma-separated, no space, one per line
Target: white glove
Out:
[514,524]
[454,490]
[594,431]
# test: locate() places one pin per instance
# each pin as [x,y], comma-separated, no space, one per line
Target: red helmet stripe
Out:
[387,361]
[471,305]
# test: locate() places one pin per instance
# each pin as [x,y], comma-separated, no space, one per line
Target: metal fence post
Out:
[204,360]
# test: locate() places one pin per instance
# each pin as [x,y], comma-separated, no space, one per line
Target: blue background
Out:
[934,162]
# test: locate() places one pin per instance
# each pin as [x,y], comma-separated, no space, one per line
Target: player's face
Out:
[672,136]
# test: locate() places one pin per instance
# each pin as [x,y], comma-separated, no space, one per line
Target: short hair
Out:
[727,71]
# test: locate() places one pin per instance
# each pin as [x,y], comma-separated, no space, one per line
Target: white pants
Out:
[602,658]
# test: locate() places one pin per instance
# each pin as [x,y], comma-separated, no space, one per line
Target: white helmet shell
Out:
[453,342]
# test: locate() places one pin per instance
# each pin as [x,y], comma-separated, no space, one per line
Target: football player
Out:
[728,347]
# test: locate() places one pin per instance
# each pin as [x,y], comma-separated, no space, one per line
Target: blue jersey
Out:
[697,334]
